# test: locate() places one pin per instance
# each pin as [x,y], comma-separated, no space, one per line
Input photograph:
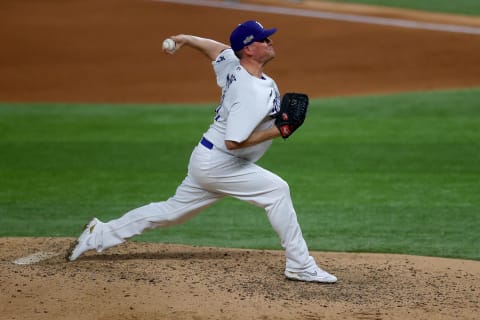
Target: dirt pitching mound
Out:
[164,281]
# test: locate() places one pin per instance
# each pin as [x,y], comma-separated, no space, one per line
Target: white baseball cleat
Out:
[85,242]
[315,275]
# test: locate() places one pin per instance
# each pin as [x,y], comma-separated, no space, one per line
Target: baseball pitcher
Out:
[250,115]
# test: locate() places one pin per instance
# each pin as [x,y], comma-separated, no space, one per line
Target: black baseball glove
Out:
[293,110]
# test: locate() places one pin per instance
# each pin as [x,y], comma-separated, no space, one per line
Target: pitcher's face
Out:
[263,50]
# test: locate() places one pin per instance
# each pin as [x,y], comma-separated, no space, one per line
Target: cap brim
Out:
[268,32]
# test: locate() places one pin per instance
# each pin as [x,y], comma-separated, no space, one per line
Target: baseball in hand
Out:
[169,45]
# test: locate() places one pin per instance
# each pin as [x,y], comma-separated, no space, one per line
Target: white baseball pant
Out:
[212,175]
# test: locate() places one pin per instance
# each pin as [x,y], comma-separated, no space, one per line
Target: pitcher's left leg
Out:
[249,182]
[283,218]
[278,205]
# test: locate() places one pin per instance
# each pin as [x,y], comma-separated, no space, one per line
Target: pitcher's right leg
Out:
[188,201]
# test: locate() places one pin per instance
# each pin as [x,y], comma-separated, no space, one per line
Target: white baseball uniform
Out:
[214,172]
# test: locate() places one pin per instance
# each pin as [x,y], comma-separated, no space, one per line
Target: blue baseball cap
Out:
[248,32]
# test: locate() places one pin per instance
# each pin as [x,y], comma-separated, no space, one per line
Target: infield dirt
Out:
[110,51]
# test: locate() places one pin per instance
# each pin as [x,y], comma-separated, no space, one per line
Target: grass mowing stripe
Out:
[381,174]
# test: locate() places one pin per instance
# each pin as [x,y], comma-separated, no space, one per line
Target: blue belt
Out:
[207,144]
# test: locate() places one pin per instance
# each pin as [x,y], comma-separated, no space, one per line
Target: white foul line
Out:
[402,23]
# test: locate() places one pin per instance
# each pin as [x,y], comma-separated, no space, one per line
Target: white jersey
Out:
[247,105]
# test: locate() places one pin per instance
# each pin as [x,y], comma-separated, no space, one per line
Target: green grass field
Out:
[465,7]
[397,174]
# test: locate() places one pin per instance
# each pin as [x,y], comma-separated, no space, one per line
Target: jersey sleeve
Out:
[225,62]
